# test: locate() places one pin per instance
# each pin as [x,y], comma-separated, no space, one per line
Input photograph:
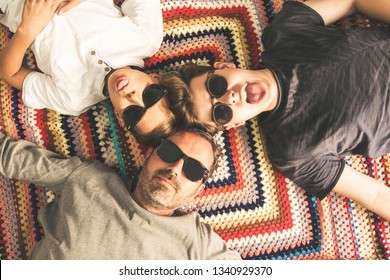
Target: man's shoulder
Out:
[93,170]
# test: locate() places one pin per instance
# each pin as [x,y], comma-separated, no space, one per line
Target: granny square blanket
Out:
[256,210]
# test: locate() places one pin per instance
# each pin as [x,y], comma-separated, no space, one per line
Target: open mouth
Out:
[255,93]
[121,83]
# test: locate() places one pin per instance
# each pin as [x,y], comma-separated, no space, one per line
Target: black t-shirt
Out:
[335,96]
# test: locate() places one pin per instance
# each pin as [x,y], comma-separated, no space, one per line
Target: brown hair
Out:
[152,139]
[181,99]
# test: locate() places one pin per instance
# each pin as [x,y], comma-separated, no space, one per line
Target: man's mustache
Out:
[168,175]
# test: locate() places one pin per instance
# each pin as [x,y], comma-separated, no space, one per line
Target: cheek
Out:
[154,163]
[120,104]
[189,188]
[244,113]
[114,98]
[116,105]
[204,113]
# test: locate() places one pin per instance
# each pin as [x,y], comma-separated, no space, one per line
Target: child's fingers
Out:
[69,5]
[55,4]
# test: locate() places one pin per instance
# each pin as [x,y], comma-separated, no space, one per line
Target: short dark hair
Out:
[181,99]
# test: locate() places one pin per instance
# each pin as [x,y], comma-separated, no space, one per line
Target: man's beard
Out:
[157,195]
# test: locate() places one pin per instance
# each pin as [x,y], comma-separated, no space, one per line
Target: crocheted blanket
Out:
[255,209]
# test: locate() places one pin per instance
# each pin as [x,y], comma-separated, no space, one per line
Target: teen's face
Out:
[249,93]
[163,187]
[125,87]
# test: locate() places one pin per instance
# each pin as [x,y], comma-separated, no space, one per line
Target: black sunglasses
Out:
[134,113]
[216,86]
[193,169]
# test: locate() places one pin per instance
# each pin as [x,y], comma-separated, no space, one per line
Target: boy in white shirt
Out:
[90,52]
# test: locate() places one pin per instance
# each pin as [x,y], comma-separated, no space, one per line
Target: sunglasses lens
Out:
[169,152]
[152,94]
[193,170]
[217,85]
[132,115]
[222,113]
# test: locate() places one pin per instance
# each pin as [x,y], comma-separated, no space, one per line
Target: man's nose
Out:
[176,167]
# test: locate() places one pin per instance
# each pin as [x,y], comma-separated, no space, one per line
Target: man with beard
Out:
[96,215]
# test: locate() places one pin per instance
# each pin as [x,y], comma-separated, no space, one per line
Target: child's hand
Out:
[67,5]
[36,15]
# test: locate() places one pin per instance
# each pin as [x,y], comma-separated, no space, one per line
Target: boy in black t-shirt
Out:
[322,93]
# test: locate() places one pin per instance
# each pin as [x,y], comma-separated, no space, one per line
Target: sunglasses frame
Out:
[213,115]
[185,158]
[130,127]
[210,75]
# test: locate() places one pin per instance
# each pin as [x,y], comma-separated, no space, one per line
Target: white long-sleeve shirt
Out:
[77,49]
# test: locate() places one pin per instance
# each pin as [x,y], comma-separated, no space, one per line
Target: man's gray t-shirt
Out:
[335,96]
[94,216]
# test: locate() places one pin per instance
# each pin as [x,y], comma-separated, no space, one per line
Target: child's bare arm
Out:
[333,10]
[36,15]
[365,190]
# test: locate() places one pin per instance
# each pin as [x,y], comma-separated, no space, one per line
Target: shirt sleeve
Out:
[293,19]
[40,91]
[25,161]
[317,175]
[147,17]
[297,31]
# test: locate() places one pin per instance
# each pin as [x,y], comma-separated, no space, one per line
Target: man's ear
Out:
[234,125]
[222,65]
[199,190]
[149,152]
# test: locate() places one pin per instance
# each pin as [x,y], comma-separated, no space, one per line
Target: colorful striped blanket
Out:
[249,204]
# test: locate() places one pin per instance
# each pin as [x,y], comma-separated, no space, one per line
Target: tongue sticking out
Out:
[121,83]
[254,93]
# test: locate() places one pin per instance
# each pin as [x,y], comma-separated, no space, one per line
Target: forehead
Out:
[198,83]
[194,146]
[202,100]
